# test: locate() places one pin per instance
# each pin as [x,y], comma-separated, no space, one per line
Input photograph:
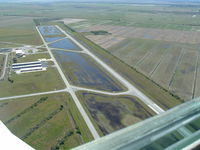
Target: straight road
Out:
[71,91]
[57,40]
[76,88]
[34,94]
[53,49]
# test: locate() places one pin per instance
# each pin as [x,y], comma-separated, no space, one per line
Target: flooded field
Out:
[111,113]
[49,31]
[65,44]
[82,71]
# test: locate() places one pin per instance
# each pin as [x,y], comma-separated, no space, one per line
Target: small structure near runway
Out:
[25,50]
[28,67]
[19,53]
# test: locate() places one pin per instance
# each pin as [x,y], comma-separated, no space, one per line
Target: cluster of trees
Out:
[100,32]
[10,80]
[14,60]
[61,141]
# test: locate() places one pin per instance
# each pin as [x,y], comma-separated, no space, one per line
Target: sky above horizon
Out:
[92,0]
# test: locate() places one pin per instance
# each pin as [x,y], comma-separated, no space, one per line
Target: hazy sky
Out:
[96,0]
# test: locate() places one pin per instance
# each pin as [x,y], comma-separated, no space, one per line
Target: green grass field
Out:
[45,122]
[21,36]
[6,45]
[150,16]
[18,30]
[172,65]
[2,58]
[33,57]
[28,83]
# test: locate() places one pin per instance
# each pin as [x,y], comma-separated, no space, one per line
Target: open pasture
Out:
[163,62]
[197,83]
[18,29]
[8,45]
[31,83]
[45,122]
[20,36]
[15,21]
[184,78]
[81,70]
[33,57]
[149,62]
[111,113]
[148,16]
[105,41]
[134,51]
[148,33]
[164,72]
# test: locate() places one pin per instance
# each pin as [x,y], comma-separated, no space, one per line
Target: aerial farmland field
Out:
[165,33]
[42,121]
[155,53]
[149,62]
[105,67]
[29,83]
[184,78]
[164,72]
[18,30]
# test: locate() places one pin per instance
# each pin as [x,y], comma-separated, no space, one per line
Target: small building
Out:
[19,53]
[30,69]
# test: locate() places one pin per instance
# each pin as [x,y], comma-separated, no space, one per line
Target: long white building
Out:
[28,67]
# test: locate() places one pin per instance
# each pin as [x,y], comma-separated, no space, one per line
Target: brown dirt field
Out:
[105,41]
[147,33]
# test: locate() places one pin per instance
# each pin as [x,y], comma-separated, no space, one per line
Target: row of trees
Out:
[41,100]
[41,123]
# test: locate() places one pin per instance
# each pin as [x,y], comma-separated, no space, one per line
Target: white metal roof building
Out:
[28,67]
